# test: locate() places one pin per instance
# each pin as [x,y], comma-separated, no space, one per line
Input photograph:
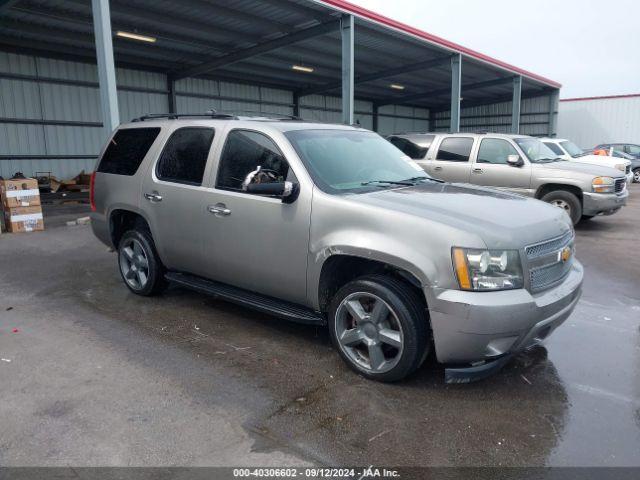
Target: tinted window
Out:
[455,149]
[632,149]
[126,150]
[495,150]
[184,157]
[243,153]
[554,148]
[409,148]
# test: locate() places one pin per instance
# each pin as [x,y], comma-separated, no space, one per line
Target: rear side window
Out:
[184,157]
[410,149]
[455,149]
[243,153]
[127,149]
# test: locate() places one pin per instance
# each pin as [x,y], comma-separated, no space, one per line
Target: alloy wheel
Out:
[134,264]
[562,204]
[636,175]
[369,332]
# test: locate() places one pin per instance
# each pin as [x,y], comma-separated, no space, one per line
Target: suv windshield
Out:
[535,150]
[572,149]
[342,161]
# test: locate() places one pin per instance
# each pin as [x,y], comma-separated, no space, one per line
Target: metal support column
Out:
[456,83]
[106,67]
[374,122]
[553,109]
[171,87]
[347,27]
[515,104]
[296,104]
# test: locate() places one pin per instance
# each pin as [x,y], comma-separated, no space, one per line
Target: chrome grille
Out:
[546,267]
[545,277]
[620,183]
[540,249]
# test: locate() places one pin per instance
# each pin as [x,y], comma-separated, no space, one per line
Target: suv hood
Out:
[500,219]
[605,161]
[580,168]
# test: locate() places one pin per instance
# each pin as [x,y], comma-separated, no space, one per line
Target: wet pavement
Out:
[98,376]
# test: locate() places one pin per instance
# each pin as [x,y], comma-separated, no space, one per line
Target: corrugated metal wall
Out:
[534,117]
[605,120]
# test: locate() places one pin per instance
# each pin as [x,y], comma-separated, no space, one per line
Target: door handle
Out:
[219,210]
[477,170]
[437,168]
[153,197]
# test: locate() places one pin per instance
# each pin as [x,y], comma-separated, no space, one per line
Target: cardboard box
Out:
[24,219]
[20,192]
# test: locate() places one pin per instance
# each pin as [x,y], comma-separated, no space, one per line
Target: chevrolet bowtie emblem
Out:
[565,254]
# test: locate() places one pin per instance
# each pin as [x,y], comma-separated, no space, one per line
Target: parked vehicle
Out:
[635,161]
[332,225]
[632,149]
[567,150]
[520,164]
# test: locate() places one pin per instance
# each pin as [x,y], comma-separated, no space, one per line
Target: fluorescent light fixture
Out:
[395,86]
[301,68]
[135,36]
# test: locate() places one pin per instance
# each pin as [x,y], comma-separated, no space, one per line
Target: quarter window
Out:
[184,157]
[455,149]
[495,150]
[126,150]
[250,157]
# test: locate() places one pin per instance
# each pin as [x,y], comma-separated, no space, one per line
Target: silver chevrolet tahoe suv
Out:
[333,225]
[519,164]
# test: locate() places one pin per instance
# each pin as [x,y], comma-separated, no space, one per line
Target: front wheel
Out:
[636,175]
[139,263]
[380,327]
[567,201]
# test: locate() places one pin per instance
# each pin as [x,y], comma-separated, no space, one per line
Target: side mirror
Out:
[515,160]
[288,191]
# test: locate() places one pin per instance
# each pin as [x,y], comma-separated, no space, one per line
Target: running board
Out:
[279,308]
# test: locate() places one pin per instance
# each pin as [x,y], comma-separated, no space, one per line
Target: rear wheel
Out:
[139,264]
[567,201]
[379,326]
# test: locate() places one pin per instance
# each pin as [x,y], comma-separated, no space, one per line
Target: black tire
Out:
[407,310]
[571,203]
[636,175]
[155,281]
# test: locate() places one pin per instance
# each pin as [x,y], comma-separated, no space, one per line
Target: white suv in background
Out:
[567,150]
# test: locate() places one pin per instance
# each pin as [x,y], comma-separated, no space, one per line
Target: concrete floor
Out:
[98,376]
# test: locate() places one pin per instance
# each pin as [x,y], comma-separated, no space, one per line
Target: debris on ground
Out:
[301,399]
[8,360]
[9,309]
[79,221]
[525,379]
[378,435]
[15,330]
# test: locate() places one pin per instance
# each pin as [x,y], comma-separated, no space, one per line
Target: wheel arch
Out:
[552,187]
[122,219]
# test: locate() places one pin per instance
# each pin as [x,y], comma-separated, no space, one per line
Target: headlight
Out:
[621,166]
[487,269]
[603,185]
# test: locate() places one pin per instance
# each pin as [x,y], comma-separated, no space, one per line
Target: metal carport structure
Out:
[351,64]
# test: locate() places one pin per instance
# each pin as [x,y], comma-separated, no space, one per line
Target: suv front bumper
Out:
[471,327]
[603,203]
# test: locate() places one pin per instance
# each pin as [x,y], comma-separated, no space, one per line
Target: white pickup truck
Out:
[567,150]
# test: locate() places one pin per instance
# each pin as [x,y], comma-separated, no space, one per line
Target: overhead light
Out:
[136,36]
[395,86]
[301,68]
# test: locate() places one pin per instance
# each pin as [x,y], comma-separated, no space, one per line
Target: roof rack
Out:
[272,115]
[174,116]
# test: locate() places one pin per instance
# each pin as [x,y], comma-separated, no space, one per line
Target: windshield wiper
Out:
[388,182]
[417,179]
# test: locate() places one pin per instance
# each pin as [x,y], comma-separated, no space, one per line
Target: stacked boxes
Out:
[20,200]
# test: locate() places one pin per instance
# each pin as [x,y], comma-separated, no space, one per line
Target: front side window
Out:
[535,150]
[126,150]
[353,161]
[409,148]
[572,149]
[250,157]
[554,148]
[633,149]
[184,157]
[455,149]
[495,150]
